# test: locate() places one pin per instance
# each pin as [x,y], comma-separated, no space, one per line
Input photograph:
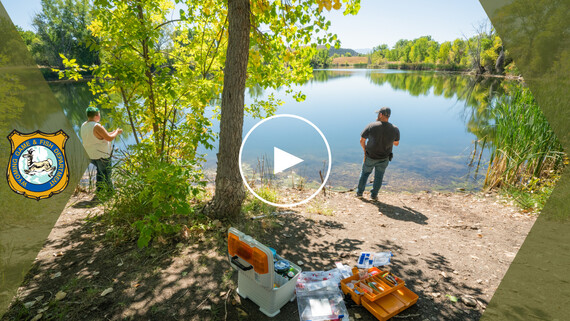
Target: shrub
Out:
[151,197]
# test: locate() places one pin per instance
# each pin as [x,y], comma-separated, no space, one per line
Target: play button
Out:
[283,160]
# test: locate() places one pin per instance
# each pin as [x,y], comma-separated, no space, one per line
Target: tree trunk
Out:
[229,193]
[500,63]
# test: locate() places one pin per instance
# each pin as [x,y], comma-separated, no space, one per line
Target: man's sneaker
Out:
[374,197]
[358,195]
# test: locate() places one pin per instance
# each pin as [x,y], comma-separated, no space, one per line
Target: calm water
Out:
[439,116]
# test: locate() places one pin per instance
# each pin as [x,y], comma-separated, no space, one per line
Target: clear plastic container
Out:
[368,259]
[322,306]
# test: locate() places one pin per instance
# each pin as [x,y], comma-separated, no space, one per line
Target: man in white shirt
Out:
[97,142]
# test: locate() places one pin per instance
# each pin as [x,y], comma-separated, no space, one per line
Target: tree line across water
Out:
[483,53]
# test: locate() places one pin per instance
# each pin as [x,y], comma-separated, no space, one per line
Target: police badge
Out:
[38,166]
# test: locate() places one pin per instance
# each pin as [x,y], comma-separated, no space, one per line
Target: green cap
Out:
[92,111]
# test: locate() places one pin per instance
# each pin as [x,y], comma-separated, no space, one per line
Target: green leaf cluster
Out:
[61,28]
[152,198]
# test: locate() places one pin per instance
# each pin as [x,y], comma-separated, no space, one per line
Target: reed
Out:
[524,147]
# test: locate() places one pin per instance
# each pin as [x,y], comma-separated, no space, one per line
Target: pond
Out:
[440,116]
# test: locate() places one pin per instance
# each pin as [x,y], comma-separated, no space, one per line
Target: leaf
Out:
[37,317]
[60,295]
[56,275]
[451,298]
[29,304]
[107,291]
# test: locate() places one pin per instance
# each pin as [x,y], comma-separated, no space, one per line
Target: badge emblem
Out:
[38,166]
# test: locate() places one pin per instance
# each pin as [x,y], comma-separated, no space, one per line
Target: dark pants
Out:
[379,167]
[103,166]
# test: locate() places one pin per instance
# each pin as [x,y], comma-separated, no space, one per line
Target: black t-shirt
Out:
[381,137]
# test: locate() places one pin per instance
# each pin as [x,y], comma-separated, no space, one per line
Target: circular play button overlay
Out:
[285,160]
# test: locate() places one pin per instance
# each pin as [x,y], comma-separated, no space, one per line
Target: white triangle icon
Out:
[283,160]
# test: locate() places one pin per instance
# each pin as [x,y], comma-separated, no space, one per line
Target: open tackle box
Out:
[380,292]
[257,278]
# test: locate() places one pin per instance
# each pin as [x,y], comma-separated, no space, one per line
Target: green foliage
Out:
[321,59]
[33,43]
[61,28]
[526,153]
[424,53]
[152,197]
[540,46]
[255,206]
[533,194]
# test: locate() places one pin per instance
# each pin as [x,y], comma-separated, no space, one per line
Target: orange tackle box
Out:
[257,279]
[381,293]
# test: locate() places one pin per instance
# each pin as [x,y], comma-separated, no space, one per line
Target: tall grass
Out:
[525,149]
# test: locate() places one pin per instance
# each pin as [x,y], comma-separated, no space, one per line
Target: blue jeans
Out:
[379,166]
[103,166]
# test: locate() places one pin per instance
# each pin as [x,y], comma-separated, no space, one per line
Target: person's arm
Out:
[397,140]
[101,133]
[363,143]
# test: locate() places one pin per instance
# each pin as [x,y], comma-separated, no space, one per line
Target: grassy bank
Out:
[526,157]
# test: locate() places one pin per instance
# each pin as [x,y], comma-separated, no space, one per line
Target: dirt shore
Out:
[446,246]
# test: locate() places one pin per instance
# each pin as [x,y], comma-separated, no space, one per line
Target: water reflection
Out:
[439,114]
[475,93]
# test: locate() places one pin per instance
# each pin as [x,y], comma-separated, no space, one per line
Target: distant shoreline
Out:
[460,72]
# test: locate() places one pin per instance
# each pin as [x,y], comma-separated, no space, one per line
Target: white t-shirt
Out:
[96,148]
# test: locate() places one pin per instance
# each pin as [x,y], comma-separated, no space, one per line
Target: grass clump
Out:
[255,206]
[317,206]
[526,156]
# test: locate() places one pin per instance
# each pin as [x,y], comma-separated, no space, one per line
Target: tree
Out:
[403,48]
[477,44]
[443,54]
[229,188]
[61,27]
[291,31]
[458,52]
[432,51]
[159,89]
[32,42]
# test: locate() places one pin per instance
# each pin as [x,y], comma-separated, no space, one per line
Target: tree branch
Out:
[167,22]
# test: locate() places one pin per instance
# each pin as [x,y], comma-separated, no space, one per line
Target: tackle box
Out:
[257,279]
[387,297]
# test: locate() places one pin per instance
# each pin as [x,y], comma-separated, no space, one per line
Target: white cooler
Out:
[257,279]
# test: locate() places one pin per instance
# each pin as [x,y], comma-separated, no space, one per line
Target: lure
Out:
[377,288]
[391,279]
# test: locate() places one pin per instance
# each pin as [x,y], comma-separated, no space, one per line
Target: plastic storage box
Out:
[319,297]
[257,279]
[380,292]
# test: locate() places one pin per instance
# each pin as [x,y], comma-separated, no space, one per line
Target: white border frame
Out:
[320,187]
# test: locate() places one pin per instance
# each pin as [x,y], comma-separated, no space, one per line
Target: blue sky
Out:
[379,21]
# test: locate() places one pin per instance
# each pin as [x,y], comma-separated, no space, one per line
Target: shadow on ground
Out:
[403,213]
[196,282]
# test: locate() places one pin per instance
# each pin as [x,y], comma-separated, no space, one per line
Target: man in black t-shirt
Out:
[381,136]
